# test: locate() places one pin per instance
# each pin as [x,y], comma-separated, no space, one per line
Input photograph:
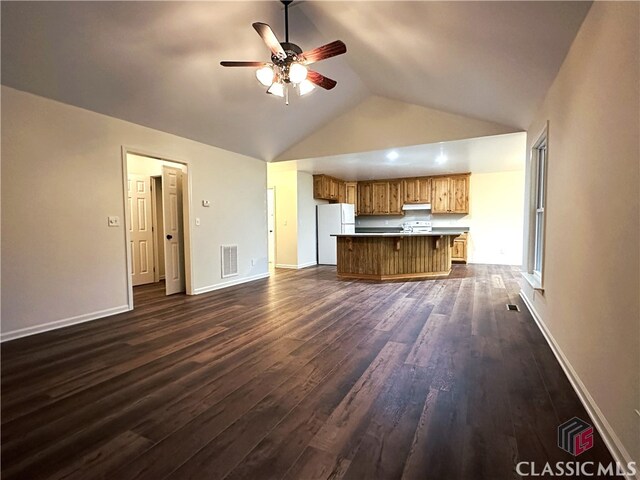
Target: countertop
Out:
[436,233]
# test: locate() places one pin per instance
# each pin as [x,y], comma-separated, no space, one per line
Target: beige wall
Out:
[142,165]
[62,177]
[379,123]
[296,245]
[496,218]
[591,298]
[285,185]
[307,229]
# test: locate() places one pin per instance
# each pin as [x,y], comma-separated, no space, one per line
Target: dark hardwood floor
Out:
[299,376]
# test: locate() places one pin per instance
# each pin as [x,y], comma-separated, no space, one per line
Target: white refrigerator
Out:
[333,218]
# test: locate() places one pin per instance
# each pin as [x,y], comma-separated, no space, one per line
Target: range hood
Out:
[416,206]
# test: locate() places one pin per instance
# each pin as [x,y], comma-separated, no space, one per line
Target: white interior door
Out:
[271,225]
[142,258]
[173,230]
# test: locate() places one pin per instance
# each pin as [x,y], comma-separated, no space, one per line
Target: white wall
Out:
[591,302]
[62,177]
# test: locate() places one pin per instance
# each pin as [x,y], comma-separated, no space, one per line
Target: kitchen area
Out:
[391,229]
[393,211]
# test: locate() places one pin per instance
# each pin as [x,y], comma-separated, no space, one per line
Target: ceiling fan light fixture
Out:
[297,72]
[266,75]
[276,89]
[305,86]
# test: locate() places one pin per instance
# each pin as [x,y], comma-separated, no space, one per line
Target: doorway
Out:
[156,218]
[271,226]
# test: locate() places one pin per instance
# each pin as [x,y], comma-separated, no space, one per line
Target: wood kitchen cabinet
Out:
[351,192]
[459,249]
[342,192]
[380,198]
[365,198]
[327,188]
[450,194]
[417,190]
[380,192]
[446,193]
[395,197]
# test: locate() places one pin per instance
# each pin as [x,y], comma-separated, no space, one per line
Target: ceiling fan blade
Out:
[243,64]
[321,80]
[326,51]
[270,39]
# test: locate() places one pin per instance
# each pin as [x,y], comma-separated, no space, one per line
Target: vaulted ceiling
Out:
[157,63]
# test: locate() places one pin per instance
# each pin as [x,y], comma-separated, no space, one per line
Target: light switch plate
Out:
[206,203]
[113,221]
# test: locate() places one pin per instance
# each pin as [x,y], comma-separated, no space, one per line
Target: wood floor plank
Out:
[297,376]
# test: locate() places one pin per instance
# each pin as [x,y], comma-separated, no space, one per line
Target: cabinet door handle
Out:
[169,237]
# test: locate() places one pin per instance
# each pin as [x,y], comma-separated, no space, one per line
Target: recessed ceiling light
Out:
[393,155]
[441,158]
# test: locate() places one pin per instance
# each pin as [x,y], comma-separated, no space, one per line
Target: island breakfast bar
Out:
[395,256]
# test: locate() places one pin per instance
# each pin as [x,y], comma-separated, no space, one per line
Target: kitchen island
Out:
[395,256]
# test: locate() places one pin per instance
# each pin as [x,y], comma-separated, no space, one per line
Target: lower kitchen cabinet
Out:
[459,249]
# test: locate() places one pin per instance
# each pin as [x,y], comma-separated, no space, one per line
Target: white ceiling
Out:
[157,63]
[498,153]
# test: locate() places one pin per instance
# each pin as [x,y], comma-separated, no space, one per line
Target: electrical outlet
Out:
[197,222]
[113,221]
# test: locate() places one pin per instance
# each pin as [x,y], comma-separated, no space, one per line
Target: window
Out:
[541,170]
[538,203]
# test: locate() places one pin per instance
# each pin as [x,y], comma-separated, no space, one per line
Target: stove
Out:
[417,226]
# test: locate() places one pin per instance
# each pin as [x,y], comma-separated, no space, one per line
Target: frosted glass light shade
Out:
[306,87]
[265,75]
[297,72]
[276,89]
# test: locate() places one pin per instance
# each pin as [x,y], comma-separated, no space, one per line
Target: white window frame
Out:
[539,168]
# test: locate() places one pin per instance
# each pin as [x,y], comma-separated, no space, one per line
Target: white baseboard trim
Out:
[297,266]
[65,322]
[611,440]
[231,283]
[308,264]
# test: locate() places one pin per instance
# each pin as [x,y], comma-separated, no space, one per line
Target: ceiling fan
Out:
[289,64]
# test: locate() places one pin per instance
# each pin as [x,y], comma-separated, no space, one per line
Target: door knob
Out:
[169,237]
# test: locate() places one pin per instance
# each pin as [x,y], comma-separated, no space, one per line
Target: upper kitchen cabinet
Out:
[365,198]
[342,192]
[351,192]
[450,194]
[395,197]
[383,197]
[380,192]
[446,193]
[327,188]
[417,190]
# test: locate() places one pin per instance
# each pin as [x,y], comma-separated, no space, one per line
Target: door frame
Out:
[275,230]
[186,216]
[155,181]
